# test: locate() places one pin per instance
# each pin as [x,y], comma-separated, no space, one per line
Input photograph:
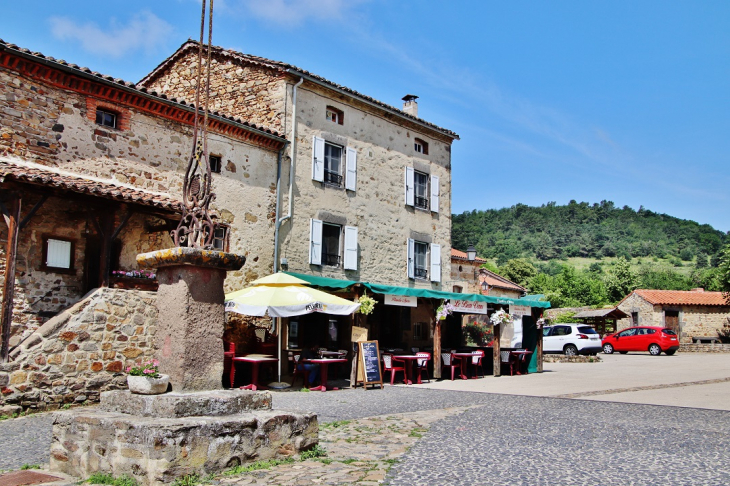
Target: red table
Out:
[408,359]
[465,358]
[255,361]
[521,359]
[323,364]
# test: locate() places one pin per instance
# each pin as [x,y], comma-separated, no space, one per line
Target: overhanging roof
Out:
[333,283]
[614,313]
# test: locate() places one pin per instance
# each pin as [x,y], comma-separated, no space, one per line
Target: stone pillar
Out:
[191,320]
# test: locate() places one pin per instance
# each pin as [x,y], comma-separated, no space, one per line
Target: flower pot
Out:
[144,385]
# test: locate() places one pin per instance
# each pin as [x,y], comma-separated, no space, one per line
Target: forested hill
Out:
[583,230]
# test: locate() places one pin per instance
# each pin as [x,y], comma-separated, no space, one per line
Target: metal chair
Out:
[422,364]
[297,372]
[507,358]
[388,366]
[476,362]
[448,360]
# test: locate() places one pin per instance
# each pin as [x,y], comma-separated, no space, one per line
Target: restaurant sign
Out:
[402,300]
[469,306]
[520,310]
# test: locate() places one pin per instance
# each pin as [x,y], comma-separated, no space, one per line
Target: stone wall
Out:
[81,352]
[704,348]
[254,93]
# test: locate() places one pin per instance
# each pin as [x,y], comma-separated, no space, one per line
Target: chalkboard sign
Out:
[369,359]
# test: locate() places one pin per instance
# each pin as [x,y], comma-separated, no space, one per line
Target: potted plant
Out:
[144,378]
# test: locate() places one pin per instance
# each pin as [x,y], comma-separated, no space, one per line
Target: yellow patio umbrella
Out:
[283,295]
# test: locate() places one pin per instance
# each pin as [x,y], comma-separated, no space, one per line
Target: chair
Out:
[448,360]
[388,366]
[297,372]
[476,362]
[506,358]
[261,333]
[422,364]
[229,352]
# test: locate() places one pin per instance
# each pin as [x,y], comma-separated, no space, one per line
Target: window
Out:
[332,164]
[422,190]
[58,254]
[458,289]
[329,167]
[561,331]
[106,118]
[327,248]
[424,260]
[334,115]
[220,238]
[215,163]
[418,330]
[634,318]
[420,146]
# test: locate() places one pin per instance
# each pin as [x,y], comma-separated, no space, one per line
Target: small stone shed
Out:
[694,315]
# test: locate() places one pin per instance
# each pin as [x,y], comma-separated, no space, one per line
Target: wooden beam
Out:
[35,208]
[6,319]
[436,342]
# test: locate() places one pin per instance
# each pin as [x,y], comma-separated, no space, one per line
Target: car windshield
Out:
[669,331]
[586,330]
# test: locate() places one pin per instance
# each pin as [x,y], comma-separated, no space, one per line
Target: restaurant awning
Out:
[417,292]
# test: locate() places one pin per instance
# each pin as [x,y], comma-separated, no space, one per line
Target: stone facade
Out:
[47,117]
[81,352]
[694,320]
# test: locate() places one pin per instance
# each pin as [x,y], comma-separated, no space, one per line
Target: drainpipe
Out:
[292,166]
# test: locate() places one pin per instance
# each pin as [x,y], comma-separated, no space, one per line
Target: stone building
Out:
[369,195]
[91,171]
[691,314]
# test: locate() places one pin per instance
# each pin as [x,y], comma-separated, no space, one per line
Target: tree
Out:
[619,280]
[519,270]
[724,272]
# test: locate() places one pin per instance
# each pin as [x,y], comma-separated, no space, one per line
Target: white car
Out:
[571,339]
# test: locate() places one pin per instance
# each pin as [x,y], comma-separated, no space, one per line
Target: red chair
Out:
[506,358]
[448,360]
[422,364]
[388,366]
[476,362]
[229,352]
[297,372]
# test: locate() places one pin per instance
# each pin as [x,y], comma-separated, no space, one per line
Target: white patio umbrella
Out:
[283,295]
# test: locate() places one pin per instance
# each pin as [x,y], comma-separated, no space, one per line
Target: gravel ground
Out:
[501,439]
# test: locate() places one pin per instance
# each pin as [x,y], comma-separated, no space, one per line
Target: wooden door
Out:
[671,320]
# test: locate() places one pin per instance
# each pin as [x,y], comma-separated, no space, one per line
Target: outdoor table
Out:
[255,361]
[323,363]
[409,359]
[465,359]
[521,359]
[326,354]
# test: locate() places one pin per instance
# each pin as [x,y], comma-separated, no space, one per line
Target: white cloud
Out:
[144,31]
[296,12]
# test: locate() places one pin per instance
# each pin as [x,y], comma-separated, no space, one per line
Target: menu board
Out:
[369,359]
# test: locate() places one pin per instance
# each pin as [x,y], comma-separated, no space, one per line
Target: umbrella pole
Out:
[278,331]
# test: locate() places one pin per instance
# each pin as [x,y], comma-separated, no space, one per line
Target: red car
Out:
[642,338]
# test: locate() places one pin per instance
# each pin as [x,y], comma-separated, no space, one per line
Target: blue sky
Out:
[619,100]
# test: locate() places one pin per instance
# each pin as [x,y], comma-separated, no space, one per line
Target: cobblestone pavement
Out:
[473,438]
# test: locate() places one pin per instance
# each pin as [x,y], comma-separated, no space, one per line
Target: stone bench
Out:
[705,339]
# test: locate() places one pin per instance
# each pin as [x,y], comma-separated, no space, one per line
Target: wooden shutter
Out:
[58,253]
[435,262]
[351,176]
[350,248]
[315,242]
[435,193]
[410,189]
[411,258]
[318,159]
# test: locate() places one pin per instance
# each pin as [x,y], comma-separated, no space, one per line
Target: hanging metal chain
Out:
[196,228]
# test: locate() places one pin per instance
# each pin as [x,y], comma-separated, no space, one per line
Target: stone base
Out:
[164,442]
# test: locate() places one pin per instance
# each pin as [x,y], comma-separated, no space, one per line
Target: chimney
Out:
[410,105]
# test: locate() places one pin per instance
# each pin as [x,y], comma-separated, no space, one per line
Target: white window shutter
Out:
[410,184]
[315,242]
[350,248]
[435,262]
[351,176]
[411,258]
[58,254]
[318,159]
[435,193]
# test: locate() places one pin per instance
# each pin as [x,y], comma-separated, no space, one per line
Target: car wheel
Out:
[670,353]
[608,349]
[654,349]
[570,350]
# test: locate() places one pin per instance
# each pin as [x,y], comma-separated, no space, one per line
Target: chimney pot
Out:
[410,105]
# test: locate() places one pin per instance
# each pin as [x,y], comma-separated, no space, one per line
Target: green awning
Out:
[330,283]
[337,284]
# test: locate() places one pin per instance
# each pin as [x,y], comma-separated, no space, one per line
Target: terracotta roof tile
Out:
[31,173]
[681,297]
[461,255]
